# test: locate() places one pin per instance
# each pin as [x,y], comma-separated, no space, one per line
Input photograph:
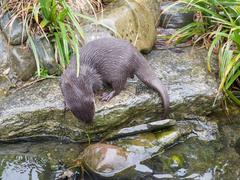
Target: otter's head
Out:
[83,108]
[79,98]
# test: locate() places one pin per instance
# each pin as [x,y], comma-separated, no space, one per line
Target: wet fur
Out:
[110,61]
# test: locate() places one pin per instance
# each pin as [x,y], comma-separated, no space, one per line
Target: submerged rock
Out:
[14,31]
[106,160]
[113,160]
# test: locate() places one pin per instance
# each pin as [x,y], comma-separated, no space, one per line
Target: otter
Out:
[105,61]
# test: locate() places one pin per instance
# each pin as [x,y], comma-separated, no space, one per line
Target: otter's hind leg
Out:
[117,86]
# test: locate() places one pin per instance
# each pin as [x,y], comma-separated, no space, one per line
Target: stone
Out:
[149,127]
[5,83]
[114,161]
[23,62]
[175,15]
[4,51]
[38,110]
[153,7]
[106,159]
[136,24]
[14,31]
[46,54]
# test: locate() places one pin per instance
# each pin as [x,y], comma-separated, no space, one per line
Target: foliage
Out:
[56,21]
[217,25]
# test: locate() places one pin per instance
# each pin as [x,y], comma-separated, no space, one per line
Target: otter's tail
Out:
[146,74]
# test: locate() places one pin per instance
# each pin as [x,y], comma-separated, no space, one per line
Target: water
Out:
[189,158]
[35,161]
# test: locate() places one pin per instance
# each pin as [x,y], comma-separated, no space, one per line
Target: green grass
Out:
[218,27]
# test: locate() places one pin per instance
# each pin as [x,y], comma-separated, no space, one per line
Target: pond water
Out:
[189,158]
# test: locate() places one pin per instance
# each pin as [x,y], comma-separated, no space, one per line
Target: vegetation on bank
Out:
[56,20]
[217,26]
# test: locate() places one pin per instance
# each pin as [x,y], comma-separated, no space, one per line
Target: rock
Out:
[153,7]
[38,110]
[5,83]
[23,62]
[14,32]
[46,54]
[66,175]
[113,161]
[106,160]
[175,17]
[237,146]
[136,24]
[4,62]
[152,126]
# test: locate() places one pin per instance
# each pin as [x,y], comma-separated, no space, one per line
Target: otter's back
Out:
[112,58]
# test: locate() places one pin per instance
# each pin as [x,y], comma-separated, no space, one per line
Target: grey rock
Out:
[39,109]
[4,51]
[175,17]
[110,160]
[5,85]
[23,62]
[149,127]
[136,24]
[14,32]
[46,54]
[5,64]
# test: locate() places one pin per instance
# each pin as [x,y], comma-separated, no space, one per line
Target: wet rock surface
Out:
[38,111]
[188,157]
[152,126]
[117,160]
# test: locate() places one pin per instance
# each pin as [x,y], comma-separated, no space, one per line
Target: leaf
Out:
[53,11]
[234,75]
[45,8]
[36,12]
[62,15]
[233,97]
[76,48]
[59,49]
[73,19]
[64,39]
[44,23]
[236,38]
[35,54]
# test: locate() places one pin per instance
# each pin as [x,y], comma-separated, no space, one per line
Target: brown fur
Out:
[110,61]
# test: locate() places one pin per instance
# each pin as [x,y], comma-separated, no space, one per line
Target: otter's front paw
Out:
[107,96]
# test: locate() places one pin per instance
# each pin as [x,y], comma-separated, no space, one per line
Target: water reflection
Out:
[189,159]
[22,167]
